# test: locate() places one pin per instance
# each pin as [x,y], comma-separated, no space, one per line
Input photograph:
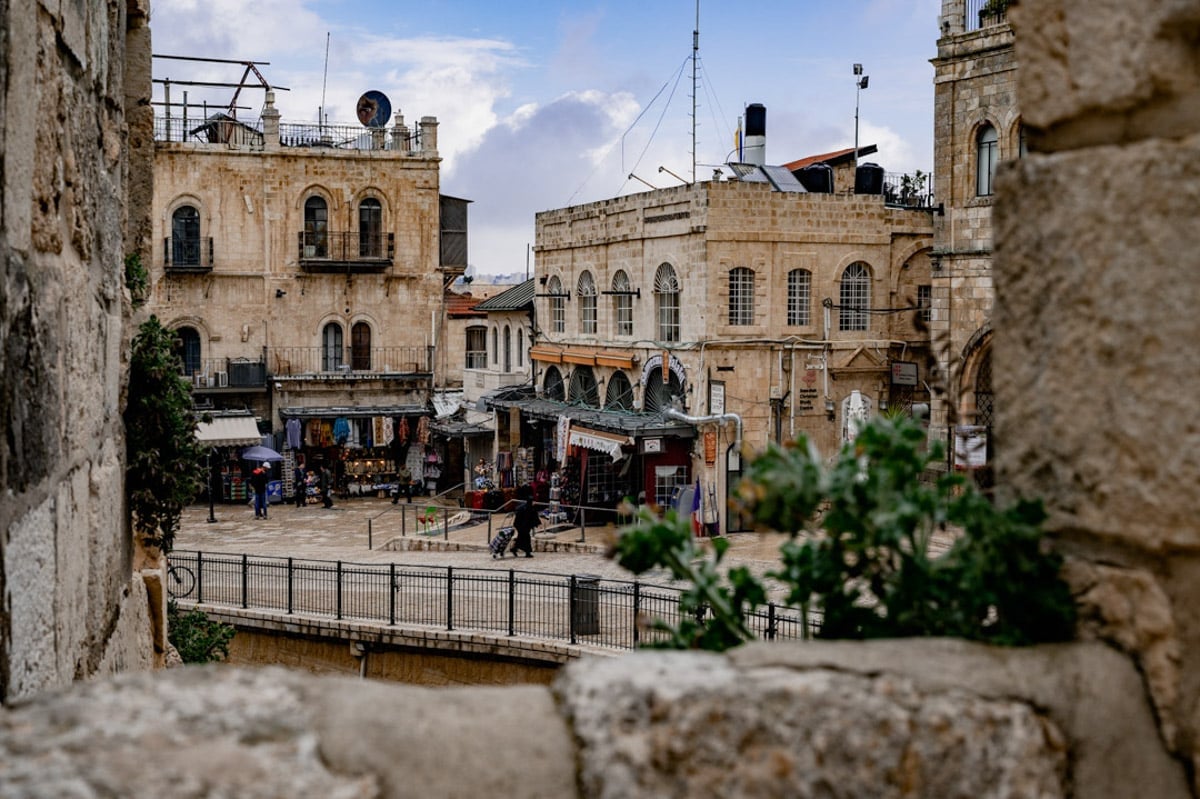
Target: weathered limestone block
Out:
[220,731]
[1107,71]
[1094,320]
[681,725]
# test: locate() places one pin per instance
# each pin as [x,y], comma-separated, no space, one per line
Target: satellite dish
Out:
[374,109]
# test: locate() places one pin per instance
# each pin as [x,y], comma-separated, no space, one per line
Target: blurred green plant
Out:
[137,279]
[163,461]
[859,557]
[196,637]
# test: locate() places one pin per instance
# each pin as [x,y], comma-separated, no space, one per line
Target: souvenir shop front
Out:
[226,435]
[363,447]
[597,458]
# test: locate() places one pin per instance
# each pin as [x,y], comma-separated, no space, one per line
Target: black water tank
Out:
[868,179]
[817,178]
[756,119]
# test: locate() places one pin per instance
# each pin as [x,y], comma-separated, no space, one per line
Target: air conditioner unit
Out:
[222,379]
[199,380]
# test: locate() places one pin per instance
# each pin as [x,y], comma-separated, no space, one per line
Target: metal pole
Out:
[449,597]
[512,601]
[291,589]
[395,588]
[211,516]
[245,581]
[339,590]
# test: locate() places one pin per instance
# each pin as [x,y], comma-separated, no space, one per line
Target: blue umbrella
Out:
[261,454]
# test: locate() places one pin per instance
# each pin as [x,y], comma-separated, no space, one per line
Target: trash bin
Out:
[585,604]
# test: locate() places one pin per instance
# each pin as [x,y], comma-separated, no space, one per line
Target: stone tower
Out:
[976,124]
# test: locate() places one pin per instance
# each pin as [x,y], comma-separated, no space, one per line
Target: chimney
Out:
[755,151]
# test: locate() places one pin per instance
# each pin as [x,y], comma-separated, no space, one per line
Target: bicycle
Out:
[180,580]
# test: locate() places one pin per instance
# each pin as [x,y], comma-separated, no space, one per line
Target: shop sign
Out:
[716,397]
[651,446]
[904,373]
[710,447]
[672,363]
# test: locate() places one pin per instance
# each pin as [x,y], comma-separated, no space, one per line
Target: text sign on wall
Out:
[904,373]
[710,447]
[716,397]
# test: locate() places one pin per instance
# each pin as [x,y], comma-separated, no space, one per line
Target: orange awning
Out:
[546,354]
[582,357]
[619,360]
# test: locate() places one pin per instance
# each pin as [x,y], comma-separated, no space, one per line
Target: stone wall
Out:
[75,199]
[1095,323]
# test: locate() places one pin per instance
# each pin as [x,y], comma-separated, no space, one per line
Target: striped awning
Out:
[600,441]
[229,431]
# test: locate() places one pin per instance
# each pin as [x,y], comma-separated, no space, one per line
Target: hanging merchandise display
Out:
[341,430]
[293,433]
[423,431]
[402,430]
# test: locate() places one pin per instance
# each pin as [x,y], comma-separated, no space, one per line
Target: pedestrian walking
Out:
[326,487]
[301,485]
[525,519]
[403,484]
[258,480]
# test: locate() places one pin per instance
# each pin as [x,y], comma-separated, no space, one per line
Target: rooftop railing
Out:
[984,13]
[349,361]
[222,129]
[913,190]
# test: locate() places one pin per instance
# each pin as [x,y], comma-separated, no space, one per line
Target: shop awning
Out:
[598,440]
[229,431]
[546,354]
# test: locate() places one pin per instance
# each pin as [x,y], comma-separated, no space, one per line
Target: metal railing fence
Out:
[578,608]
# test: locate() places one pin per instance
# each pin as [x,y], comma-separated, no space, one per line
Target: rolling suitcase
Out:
[500,543]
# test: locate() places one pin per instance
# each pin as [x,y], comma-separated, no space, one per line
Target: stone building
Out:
[977,124]
[78,595]
[758,312]
[303,267]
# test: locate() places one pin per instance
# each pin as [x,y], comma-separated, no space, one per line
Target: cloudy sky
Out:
[548,103]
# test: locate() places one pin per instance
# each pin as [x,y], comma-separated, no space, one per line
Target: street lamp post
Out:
[211,515]
[860,83]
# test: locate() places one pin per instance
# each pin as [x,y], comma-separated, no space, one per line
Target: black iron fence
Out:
[347,137]
[226,373]
[342,247]
[346,360]
[908,190]
[982,13]
[578,608]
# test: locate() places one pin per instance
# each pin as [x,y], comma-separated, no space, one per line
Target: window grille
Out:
[584,390]
[666,480]
[316,228]
[331,347]
[666,294]
[799,297]
[741,296]
[622,304]
[985,165]
[476,348]
[855,297]
[558,306]
[619,393]
[360,347]
[185,237]
[586,289]
[552,385]
[925,303]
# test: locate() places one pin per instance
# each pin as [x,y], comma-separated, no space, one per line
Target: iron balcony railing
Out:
[188,253]
[579,608]
[226,373]
[349,360]
[375,248]
[913,190]
[984,13]
[346,137]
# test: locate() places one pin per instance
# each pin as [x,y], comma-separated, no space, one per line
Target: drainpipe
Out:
[720,418]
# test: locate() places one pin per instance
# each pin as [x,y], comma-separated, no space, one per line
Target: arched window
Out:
[799,298]
[1021,140]
[622,303]
[584,390]
[185,237]
[370,228]
[331,347]
[552,384]
[507,349]
[855,297]
[658,395]
[666,300]
[558,306]
[985,160]
[520,348]
[495,346]
[189,349]
[360,347]
[741,296]
[316,228]
[619,394]
[586,291]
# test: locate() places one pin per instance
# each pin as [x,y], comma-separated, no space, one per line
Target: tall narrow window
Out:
[370,229]
[495,346]
[558,306]
[1021,140]
[855,297]
[331,347]
[552,385]
[189,349]
[185,236]
[316,228]
[360,347]
[585,289]
[507,349]
[520,348]
[622,303]
[476,348]
[741,296]
[985,163]
[799,298]
[666,300]
[925,302]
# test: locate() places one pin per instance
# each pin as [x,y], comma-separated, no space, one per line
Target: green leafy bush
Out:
[196,637]
[137,279]
[163,461]
[859,550]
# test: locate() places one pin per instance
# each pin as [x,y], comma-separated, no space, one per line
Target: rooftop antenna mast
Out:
[324,80]
[695,59]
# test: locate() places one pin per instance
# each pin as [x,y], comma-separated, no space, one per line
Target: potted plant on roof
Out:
[993,12]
